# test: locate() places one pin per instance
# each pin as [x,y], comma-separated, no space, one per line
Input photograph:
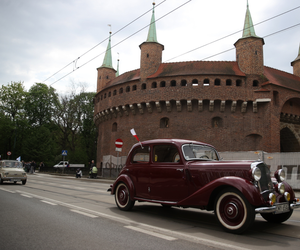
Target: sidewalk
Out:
[83,178]
[109,181]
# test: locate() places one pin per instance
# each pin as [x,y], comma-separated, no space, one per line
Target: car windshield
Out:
[11,164]
[199,152]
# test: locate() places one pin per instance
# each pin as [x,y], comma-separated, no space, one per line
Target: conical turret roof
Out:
[248,30]
[152,29]
[107,62]
[298,57]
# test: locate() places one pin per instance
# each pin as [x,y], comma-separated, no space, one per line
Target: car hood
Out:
[13,171]
[207,171]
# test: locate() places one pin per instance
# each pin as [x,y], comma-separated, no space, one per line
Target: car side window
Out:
[141,155]
[165,153]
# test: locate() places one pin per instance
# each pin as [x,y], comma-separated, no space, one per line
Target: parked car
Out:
[12,171]
[65,164]
[183,173]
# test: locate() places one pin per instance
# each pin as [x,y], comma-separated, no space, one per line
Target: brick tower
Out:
[249,49]
[151,52]
[106,72]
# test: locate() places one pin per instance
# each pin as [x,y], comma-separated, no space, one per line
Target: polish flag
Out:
[134,134]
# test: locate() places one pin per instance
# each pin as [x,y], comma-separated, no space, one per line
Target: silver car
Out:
[12,171]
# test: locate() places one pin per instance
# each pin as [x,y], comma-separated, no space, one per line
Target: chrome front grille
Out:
[265,182]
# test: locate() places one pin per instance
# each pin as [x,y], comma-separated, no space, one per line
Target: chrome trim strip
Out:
[157,201]
[265,209]
[295,205]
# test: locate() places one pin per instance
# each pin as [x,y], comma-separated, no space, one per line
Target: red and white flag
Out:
[134,134]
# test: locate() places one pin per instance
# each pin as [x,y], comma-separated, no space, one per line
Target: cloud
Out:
[39,38]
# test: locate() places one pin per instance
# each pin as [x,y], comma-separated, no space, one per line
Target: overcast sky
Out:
[39,38]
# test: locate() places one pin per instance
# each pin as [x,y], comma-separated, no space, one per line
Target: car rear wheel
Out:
[277,218]
[1,181]
[234,213]
[122,197]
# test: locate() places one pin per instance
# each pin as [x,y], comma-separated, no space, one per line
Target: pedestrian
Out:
[32,167]
[78,173]
[41,166]
[93,170]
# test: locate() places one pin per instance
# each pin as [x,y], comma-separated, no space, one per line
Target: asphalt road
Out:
[53,212]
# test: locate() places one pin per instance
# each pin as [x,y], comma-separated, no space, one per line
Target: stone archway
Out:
[289,138]
[290,126]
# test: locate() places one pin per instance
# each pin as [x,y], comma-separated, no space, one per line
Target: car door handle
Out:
[179,169]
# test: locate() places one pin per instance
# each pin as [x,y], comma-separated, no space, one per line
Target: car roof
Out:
[9,161]
[178,142]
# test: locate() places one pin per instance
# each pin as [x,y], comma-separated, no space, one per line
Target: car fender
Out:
[127,180]
[206,195]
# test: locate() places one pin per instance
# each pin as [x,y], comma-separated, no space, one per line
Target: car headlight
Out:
[287,196]
[280,188]
[280,175]
[272,198]
[256,174]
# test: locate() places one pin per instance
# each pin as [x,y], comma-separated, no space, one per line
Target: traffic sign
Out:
[8,153]
[119,143]
[64,152]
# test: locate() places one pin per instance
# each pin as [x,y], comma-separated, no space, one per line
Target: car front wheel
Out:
[24,182]
[233,211]
[122,197]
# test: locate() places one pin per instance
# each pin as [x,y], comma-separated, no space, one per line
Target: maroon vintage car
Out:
[183,173]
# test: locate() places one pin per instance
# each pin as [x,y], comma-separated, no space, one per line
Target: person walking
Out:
[32,167]
[93,170]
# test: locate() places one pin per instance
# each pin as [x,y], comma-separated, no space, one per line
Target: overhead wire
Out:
[101,42]
[219,39]
[274,33]
[175,56]
[125,38]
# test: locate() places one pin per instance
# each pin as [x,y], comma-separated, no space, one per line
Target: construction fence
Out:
[290,162]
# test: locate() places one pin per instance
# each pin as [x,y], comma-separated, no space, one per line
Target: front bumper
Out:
[12,179]
[275,208]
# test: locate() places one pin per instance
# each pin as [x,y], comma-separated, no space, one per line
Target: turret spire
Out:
[298,57]
[107,62]
[248,30]
[152,29]
[118,73]
[296,64]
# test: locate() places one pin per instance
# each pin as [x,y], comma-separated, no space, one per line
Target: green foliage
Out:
[38,124]
[12,98]
[40,104]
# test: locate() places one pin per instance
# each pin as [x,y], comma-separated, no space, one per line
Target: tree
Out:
[74,117]
[40,104]
[12,98]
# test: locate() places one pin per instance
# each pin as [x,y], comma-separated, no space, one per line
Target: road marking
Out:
[101,191]
[83,213]
[8,190]
[25,195]
[80,188]
[165,237]
[48,202]
[183,236]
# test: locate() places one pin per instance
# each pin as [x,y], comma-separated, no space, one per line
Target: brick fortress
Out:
[237,105]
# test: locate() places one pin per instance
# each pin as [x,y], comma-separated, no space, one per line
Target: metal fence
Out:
[290,162]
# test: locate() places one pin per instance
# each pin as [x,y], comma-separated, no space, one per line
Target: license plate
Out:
[282,208]
[12,180]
